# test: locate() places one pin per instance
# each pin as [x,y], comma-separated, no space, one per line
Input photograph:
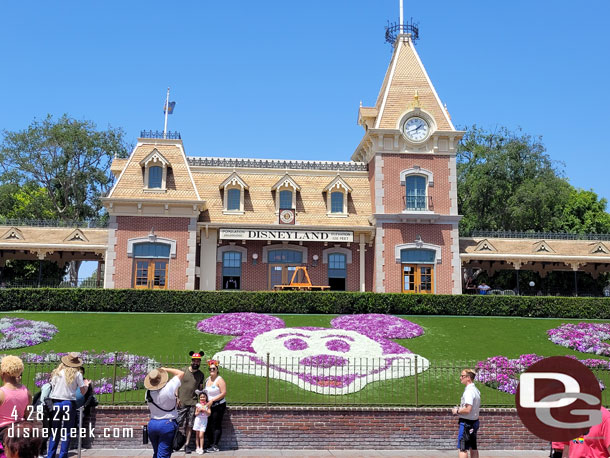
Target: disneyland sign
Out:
[287,235]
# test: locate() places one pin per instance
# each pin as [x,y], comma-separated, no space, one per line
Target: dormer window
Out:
[155,171]
[336,202]
[234,193]
[285,193]
[234,199]
[155,177]
[337,193]
[286,198]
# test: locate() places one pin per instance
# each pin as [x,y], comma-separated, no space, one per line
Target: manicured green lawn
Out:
[450,343]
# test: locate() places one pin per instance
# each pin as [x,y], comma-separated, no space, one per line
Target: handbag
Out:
[179,440]
[179,437]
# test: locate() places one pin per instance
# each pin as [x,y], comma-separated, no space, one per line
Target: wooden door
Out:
[150,274]
[280,274]
[417,278]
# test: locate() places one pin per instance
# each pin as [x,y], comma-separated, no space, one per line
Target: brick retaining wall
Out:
[333,428]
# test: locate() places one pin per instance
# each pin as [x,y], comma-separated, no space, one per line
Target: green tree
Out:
[68,158]
[56,169]
[585,213]
[507,181]
[25,202]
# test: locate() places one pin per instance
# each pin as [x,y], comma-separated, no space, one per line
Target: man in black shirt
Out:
[186,396]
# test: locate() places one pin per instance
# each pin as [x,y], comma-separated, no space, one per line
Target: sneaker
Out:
[210,450]
[215,448]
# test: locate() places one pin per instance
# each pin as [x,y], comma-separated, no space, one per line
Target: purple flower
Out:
[19,332]
[239,324]
[502,373]
[583,337]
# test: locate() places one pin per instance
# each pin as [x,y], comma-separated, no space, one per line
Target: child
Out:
[202,411]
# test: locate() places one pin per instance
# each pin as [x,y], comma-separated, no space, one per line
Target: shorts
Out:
[467,435]
[186,416]
[200,423]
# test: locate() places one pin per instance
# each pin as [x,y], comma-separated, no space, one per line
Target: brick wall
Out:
[255,277]
[132,227]
[435,234]
[334,428]
[394,192]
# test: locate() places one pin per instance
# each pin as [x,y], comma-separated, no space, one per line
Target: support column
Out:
[209,243]
[362,263]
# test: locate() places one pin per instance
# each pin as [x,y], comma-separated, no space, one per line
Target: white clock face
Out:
[416,129]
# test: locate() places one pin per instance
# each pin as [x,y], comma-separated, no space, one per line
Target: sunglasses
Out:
[213,369]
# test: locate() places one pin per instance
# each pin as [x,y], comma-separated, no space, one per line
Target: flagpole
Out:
[401,30]
[166,113]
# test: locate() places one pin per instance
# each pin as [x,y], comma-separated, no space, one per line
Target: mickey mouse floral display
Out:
[19,332]
[338,360]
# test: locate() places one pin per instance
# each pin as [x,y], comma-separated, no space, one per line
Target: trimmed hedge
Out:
[130,300]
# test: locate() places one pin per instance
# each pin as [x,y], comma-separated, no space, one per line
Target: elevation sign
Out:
[312,236]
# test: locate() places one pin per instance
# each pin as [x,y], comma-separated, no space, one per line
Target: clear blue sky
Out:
[280,79]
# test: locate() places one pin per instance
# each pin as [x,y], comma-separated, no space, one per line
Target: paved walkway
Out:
[101,453]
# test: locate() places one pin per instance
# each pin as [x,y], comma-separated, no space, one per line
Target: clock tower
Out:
[410,146]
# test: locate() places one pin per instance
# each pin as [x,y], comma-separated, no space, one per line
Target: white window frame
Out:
[233,182]
[412,172]
[286,183]
[232,247]
[155,159]
[151,238]
[337,185]
[418,246]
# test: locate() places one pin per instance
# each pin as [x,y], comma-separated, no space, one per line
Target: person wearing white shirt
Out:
[468,411]
[66,379]
[161,398]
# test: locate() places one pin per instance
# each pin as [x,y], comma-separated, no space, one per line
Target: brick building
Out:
[385,221]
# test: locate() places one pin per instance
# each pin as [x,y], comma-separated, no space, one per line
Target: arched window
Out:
[285,199]
[417,256]
[233,199]
[231,270]
[336,202]
[151,250]
[155,177]
[285,257]
[337,271]
[416,192]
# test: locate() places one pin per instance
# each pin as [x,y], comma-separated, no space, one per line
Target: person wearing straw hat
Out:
[66,379]
[161,399]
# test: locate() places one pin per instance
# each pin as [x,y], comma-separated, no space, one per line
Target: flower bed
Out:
[137,366]
[502,373]
[19,332]
[583,337]
[357,350]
